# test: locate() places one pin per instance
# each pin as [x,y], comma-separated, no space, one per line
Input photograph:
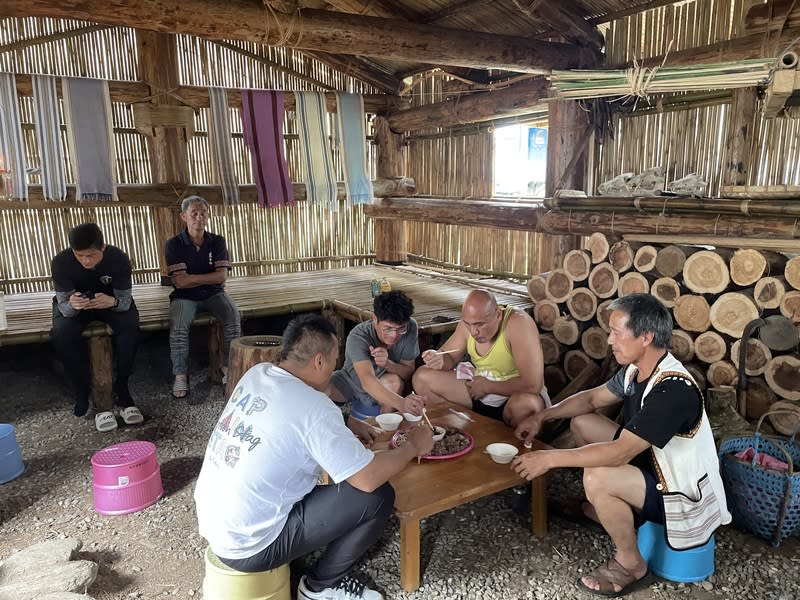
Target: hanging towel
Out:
[87,111]
[221,149]
[48,135]
[315,152]
[353,151]
[12,148]
[262,121]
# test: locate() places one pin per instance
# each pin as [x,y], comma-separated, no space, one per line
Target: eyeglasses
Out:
[385,330]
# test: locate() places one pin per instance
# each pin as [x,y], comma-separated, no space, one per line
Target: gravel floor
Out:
[481,550]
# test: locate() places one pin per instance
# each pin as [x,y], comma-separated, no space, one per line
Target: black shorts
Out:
[493,412]
[653,507]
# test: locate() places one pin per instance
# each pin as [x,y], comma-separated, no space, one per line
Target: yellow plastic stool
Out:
[223,583]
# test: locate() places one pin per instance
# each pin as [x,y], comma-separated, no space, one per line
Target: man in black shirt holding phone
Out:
[93,283]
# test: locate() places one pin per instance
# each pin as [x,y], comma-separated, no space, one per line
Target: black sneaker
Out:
[347,589]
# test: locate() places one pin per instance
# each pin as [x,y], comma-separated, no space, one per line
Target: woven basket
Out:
[763,501]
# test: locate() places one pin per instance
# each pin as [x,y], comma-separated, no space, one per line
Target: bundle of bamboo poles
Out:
[641,81]
[713,293]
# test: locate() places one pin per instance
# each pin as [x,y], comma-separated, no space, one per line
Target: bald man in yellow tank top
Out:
[503,345]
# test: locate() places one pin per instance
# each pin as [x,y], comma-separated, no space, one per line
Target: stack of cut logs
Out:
[713,295]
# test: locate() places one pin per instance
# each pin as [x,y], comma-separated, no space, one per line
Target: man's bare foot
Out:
[612,578]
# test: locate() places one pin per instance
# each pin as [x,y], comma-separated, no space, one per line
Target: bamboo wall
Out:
[690,139]
[261,241]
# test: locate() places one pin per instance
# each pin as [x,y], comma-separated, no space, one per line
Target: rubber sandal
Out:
[105,421]
[131,415]
[180,386]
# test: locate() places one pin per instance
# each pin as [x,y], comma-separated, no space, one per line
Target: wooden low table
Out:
[433,486]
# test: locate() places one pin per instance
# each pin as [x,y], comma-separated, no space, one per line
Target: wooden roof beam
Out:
[332,32]
[52,37]
[517,99]
[129,92]
[360,68]
[564,17]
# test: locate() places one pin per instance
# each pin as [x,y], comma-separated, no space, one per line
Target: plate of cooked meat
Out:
[455,443]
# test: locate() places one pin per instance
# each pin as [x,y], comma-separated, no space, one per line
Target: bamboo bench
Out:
[340,294]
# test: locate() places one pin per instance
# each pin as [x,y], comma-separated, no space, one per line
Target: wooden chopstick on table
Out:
[378,429]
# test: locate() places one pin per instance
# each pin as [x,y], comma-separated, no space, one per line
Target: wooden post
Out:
[166,146]
[390,235]
[739,136]
[566,168]
[102,372]
[338,324]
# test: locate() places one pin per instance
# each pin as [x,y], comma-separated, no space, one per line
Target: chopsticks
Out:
[425,414]
[378,429]
[453,351]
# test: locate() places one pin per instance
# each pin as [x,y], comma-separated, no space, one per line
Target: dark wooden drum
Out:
[249,351]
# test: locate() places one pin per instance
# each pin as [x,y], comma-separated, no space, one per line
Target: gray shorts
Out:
[361,401]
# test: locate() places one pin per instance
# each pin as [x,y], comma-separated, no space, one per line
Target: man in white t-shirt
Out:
[258,502]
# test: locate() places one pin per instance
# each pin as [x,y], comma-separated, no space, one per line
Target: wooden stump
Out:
[721,373]
[670,259]
[603,280]
[633,283]
[769,291]
[545,314]
[567,331]
[598,246]
[558,286]
[710,347]
[603,315]
[748,265]
[698,375]
[706,272]
[594,342]
[575,361]
[792,272]
[554,379]
[578,264]
[246,352]
[731,312]
[667,290]
[783,376]
[790,306]
[551,349]
[681,345]
[757,356]
[621,255]
[536,287]
[582,304]
[644,260]
[692,313]
[760,397]
[100,360]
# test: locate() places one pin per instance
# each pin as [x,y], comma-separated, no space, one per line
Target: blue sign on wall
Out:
[537,144]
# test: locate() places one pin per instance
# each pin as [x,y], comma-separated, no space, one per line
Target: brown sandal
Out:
[612,573]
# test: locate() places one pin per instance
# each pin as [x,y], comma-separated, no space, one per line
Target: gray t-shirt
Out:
[363,336]
[616,385]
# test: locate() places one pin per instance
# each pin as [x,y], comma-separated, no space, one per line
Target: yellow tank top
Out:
[498,363]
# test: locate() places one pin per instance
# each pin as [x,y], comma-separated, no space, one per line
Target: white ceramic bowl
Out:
[439,434]
[502,453]
[412,418]
[389,421]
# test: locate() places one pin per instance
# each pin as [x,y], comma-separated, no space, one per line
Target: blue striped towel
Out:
[12,148]
[353,147]
[315,150]
[48,134]
[87,111]
[221,147]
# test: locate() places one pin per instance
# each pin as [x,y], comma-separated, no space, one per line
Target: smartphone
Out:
[88,295]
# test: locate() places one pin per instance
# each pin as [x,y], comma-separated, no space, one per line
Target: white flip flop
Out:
[105,421]
[131,415]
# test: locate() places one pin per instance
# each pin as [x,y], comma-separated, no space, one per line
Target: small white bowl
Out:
[389,421]
[439,434]
[502,453]
[411,418]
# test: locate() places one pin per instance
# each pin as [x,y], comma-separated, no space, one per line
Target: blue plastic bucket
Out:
[682,566]
[364,411]
[11,465]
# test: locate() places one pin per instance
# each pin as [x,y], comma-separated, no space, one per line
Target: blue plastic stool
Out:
[11,465]
[682,566]
[364,411]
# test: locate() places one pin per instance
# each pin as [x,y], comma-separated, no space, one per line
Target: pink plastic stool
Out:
[125,478]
